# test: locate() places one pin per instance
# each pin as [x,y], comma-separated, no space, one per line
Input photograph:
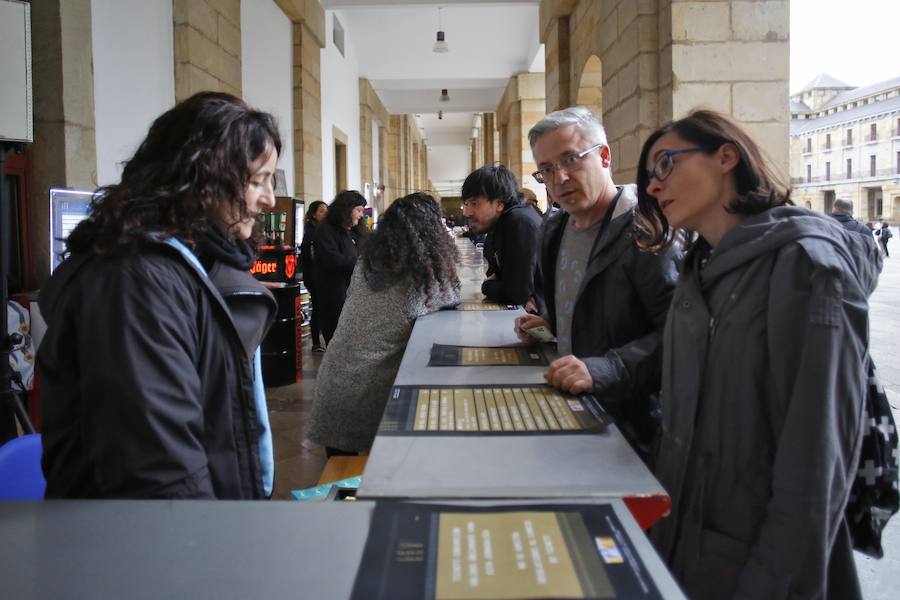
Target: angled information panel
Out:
[526,552]
[490,410]
[445,355]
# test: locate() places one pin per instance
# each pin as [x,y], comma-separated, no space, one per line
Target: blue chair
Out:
[21,477]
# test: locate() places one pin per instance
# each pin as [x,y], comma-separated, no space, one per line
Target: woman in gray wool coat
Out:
[763,373]
[407,269]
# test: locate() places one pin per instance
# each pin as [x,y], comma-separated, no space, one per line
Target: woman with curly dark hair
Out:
[315,215]
[407,269]
[763,370]
[150,363]
[334,247]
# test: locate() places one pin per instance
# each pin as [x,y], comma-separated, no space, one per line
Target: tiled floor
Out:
[298,462]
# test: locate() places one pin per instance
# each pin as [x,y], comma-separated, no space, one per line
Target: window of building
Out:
[898,162]
[873,132]
[849,168]
[808,173]
[849,137]
[872,166]
[809,144]
[828,141]
[337,35]
[827,171]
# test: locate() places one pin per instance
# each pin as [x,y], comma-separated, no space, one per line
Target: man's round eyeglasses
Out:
[569,163]
[664,164]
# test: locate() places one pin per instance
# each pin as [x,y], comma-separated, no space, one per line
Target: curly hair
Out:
[193,163]
[411,241]
[340,209]
[758,187]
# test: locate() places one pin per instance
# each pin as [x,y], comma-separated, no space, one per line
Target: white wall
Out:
[266,71]
[448,167]
[134,76]
[340,106]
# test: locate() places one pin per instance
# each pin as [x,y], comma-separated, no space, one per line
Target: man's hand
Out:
[569,375]
[526,322]
[531,306]
[491,277]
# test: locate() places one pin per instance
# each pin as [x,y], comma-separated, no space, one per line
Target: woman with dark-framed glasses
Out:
[763,372]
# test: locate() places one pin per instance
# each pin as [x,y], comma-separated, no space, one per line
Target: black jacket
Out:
[148,378]
[620,311]
[513,250]
[851,224]
[335,257]
[307,267]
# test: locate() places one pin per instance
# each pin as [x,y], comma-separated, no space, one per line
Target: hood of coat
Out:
[767,232]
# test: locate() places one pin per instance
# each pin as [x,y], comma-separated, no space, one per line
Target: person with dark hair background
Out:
[512,249]
[407,269]
[151,372]
[314,215]
[335,257]
[764,370]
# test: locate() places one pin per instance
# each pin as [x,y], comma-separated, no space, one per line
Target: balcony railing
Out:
[871,139]
[856,174]
[847,142]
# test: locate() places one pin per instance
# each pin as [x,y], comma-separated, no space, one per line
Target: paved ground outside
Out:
[881,578]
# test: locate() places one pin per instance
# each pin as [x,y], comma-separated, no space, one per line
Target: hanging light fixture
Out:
[445,97]
[440,46]
[440,115]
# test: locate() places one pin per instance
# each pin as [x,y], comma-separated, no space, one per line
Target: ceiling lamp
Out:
[445,97]
[440,46]
[440,115]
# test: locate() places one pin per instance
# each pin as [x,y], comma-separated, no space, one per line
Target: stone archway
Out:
[590,86]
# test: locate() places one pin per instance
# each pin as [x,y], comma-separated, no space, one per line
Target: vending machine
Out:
[276,268]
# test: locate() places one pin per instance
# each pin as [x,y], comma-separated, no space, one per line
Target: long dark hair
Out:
[411,241]
[341,207]
[194,161]
[311,211]
[758,188]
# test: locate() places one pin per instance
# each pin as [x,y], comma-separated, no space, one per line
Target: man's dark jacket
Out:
[148,378]
[513,254]
[851,224]
[335,253]
[620,312]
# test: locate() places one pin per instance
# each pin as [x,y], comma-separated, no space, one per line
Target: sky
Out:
[854,41]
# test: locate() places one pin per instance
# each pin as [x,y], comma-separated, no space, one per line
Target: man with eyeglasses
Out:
[606,300]
[491,204]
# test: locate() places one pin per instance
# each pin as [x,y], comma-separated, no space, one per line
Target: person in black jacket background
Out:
[491,203]
[150,364]
[842,210]
[314,216]
[335,250]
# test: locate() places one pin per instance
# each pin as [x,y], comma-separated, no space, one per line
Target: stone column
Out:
[207,46]
[488,138]
[64,152]
[732,56]
[393,176]
[662,58]
[308,31]
[520,108]
[370,110]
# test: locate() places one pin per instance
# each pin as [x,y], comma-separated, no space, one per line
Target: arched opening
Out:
[590,86]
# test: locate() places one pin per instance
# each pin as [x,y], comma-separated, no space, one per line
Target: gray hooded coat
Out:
[763,387]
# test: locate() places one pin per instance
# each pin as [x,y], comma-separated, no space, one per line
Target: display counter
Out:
[591,465]
[217,549]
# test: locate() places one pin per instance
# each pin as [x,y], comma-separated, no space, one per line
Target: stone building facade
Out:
[845,143]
